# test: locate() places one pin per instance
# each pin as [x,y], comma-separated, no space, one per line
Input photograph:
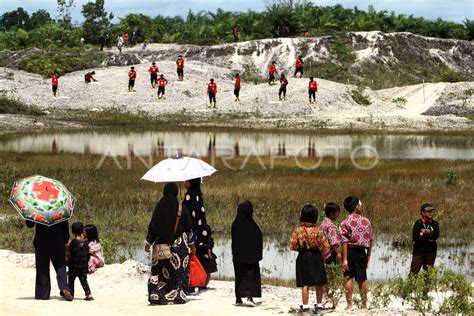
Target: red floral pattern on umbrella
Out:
[42,200]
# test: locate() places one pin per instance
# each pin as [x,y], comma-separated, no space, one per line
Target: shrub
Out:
[359,97]
[63,61]
[449,75]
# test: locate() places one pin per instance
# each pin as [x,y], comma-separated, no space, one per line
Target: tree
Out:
[18,18]
[96,20]
[38,19]
[469,26]
[65,8]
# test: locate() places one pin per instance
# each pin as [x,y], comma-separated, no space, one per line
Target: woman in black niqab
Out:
[168,279]
[247,246]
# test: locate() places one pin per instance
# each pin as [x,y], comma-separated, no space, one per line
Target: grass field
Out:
[120,204]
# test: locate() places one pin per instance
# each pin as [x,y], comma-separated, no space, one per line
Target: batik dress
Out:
[312,247]
[168,279]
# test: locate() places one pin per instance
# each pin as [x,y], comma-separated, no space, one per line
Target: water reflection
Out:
[243,143]
[386,261]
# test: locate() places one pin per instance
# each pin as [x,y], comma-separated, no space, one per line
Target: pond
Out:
[386,261]
[205,143]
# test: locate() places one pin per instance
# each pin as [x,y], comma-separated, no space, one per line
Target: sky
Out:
[451,10]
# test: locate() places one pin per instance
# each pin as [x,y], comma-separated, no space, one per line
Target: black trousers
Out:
[312,94]
[282,91]
[212,97]
[180,72]
[55,88]
[299,70]
[131,84]
[153,78]
[82,278]
[237,92]
[43,255]
[161,90]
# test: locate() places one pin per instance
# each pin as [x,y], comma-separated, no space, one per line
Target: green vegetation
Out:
[359,97]
[250,73]
[62,61]
[11,106]
[400,102]
[450,76]
[279,19]
[115,199]
[439,280]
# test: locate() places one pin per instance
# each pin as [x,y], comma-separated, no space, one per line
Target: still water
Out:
[205,143]
[386,261]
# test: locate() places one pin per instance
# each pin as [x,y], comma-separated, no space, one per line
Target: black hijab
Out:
[247,241]
[164,216]
[195,185]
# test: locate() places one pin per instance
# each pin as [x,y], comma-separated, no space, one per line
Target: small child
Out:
[96,253]
[425,234]
[328,227]
[356,238]
[79,258]
[312,247]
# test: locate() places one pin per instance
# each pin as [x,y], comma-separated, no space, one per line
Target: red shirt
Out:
[356,231]
[313,86]
[212,87]
[132,74]
[162,82]
[299,63]
[237,83]
[89,76]
[55,79]
[272,69]
[153,70]
[283,82]
[180,63]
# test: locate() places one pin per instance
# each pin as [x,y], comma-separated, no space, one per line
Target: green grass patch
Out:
[11,106]
[359,97]
[63,61]
[112,196]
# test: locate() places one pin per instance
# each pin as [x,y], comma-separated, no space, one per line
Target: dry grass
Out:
[120,204]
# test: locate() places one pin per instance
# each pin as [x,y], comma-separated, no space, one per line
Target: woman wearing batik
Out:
[247,246]
[172,225]
[195,204]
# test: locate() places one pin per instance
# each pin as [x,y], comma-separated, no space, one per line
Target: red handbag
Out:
[197,274]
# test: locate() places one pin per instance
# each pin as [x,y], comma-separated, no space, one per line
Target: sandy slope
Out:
[334,106]
[120,289]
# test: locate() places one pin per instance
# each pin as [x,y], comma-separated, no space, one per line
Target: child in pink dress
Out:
[95,249]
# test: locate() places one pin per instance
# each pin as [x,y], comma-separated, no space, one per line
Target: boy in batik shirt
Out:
[356,239]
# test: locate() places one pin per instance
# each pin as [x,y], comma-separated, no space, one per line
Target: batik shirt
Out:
[356,231]
[329,230]
[309,236]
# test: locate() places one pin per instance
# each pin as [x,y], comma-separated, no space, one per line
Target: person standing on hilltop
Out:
[283,84]
[132,75]
[212,92]
[120,43]
[162,82]
[153,74]
[180,67]
[272,70]
[237,87]
[55,82]
[299,66]
[312,89]
[235,32]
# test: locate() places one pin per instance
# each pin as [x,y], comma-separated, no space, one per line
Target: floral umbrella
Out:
[42,200]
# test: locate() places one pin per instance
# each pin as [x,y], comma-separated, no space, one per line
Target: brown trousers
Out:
[419,260]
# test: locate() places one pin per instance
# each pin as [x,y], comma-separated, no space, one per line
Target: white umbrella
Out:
[178,169]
